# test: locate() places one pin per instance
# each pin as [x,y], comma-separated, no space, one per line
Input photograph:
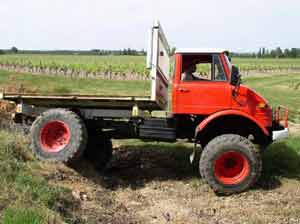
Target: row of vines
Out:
[107,67]
[119,67]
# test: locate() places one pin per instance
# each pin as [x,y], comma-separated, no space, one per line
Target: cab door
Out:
[207,93]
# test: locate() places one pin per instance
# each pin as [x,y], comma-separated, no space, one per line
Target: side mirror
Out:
[235,76]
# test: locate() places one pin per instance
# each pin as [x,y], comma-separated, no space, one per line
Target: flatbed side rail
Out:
[82,101]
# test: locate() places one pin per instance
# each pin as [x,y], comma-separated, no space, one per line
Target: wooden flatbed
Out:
[82,101]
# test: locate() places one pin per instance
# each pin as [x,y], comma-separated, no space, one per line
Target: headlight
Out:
[262,106]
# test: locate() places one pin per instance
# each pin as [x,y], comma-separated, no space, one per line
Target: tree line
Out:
[272,53]
[261,53]
[127,51]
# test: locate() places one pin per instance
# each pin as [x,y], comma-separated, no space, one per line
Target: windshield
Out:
[228,63]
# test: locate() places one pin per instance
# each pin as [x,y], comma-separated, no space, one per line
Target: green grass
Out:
[46,84]
[279,90]
[24,196]
[23,216]
[282,158]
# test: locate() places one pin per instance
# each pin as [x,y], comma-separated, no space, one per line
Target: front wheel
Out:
[230,164]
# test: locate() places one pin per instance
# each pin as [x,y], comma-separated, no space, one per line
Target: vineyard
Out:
[120,67]
[108,67]
[267,65]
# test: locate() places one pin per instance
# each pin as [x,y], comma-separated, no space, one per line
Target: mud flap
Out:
[193,154]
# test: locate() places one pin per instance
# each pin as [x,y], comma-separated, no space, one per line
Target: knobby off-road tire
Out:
[230,164]
[58,135]
[99,149]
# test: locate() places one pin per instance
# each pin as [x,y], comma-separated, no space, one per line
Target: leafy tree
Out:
[14,50]
[287,53]
[293,53]
[263,51]
[143,52]
[125,52]
[259,54]
[278,52]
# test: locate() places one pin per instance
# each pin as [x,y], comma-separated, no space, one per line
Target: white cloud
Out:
[114,24]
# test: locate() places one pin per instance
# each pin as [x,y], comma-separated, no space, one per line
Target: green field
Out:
[76,64]
[47,84]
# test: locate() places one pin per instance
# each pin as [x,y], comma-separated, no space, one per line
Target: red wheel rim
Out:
[54,136]
[231,168]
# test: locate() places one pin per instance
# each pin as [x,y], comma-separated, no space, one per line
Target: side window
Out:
[203,68]
[219,74]
[203,71]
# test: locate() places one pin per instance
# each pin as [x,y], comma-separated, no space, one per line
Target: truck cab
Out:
[207,88]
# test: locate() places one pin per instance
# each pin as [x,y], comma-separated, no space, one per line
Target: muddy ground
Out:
[150,185]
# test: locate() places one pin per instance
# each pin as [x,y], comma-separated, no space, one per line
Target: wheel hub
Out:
[231,168]
[54,136]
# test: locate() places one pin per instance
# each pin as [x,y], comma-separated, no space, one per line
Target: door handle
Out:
[182,90]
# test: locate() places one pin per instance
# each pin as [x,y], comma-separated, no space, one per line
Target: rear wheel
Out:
[58,135]
[230,164]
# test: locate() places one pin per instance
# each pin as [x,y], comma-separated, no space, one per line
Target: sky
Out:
[237,25]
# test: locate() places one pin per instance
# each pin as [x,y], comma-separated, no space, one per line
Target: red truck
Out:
[228,121]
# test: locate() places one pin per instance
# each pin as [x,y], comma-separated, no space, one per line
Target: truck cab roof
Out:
[200,51]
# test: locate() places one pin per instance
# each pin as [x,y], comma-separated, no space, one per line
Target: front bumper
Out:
[281,134]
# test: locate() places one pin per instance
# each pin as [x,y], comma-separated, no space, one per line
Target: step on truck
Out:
[230,123]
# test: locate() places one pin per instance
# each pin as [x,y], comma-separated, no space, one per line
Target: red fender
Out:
[212,117]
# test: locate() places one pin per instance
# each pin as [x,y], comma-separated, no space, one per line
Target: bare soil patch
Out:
[159,186]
